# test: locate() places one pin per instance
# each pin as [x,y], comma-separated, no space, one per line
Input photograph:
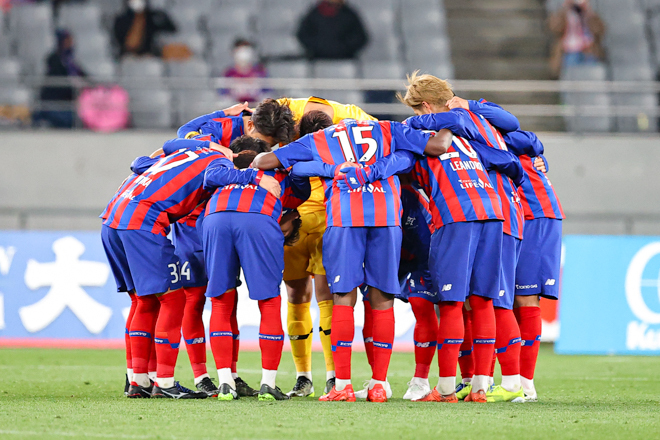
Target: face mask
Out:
[137,5]
[244,56]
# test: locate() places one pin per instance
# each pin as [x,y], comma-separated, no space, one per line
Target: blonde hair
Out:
[425,88]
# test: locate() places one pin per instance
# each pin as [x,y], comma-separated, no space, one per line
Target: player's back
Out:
[458,186]
[167,191]
[253,198]
[417,227]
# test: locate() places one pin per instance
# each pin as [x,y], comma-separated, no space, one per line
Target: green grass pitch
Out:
[78,394]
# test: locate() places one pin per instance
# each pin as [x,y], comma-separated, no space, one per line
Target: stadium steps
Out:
[503,40]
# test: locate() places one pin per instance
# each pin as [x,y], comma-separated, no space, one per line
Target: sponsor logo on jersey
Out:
[471,183]
[466,165]
[368,188]
[238,186]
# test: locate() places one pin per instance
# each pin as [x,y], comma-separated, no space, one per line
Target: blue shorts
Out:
[510,253]
[465,258]
[141,261]
[243,239]
[188,247]
[418,284]
[539,265]
[362,255]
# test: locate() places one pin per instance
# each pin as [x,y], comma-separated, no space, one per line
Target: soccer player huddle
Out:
[431,211]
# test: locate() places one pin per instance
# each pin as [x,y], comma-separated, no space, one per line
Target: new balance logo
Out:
[501,292]
[196,341]
[446,288]
[368,340]
[337,278]
[550,282]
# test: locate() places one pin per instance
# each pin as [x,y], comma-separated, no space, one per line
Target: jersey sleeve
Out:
[398,162]
[314,168]
[501,161]
[523,143]
[496,115]
[195,124]
[221,172]
[457,121]
[406,138]
[298,151]
[174,145]
[297,191]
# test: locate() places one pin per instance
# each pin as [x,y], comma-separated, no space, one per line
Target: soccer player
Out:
[363,236]
[271,122]
[468,216]
[240,229]
[537,272]
[303,261]
[143,260]
[416,284]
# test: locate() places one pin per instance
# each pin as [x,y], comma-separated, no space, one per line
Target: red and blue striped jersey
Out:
[508,192]
[458,186]
[247,196]
[536,193]
[363,142]
[214,127]
[127,181]
[166,192]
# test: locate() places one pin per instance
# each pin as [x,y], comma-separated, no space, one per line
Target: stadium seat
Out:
[230,19]
[195,41]
[109,9]
[379,23]
[141,72]
[150,108]
[33,50]
[222,48]
[645,102]
[193,68]
[186,18]
[201,5]
[92,46]
[435,50]
[193,103]
[273,46]
[335,69]
[382,49]
[16,96]
[383,70]
[343,96]
[444,70]
[274,18]
[100,69]
[24,18]
[580,124]
[10,72]
[5,46]
[288,69]
[79,18]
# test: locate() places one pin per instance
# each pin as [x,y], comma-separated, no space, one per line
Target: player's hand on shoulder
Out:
[224,150]
[457,102]
[236,109]
[271,185]
[539,164]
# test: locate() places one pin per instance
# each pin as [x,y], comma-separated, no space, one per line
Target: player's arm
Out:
[142,164]
[457,121]
[191,129]
[523,143]
[502,161]
[401,161]
[419,142]
[174,145]
[287,156]
[492,112]
[314,168]
[221,172]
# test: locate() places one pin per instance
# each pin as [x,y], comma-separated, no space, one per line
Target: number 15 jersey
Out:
[361,142]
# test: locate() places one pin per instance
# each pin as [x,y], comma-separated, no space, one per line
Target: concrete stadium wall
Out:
[62,180]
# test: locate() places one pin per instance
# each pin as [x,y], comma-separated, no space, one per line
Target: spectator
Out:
[332,30]
[579,30]
[247,67]
[135,29]
[61,63]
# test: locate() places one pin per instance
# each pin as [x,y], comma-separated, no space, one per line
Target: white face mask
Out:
[244,56]
[137,5]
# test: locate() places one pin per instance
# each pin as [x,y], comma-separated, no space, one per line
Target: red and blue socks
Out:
[343,331]
[483,341]
[450,338]
[141,333]
[271,338]
[168,335]
[383,335]
[507,348]
[193,330]
[425,335]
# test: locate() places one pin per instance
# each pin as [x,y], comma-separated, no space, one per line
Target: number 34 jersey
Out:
[361,142]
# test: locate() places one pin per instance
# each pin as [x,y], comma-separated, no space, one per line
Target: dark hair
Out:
[275,120]
[241,42]
[295,233]
[244,159]
[244,142]
[313,121]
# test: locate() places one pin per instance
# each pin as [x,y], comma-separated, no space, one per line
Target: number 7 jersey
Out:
[361,142]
